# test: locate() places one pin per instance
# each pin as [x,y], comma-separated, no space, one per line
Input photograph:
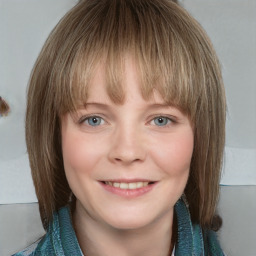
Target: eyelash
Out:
[86,118]
[170,120]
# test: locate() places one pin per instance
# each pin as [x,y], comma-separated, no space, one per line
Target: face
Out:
[126,164]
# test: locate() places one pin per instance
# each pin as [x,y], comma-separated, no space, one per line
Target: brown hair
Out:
[173,55]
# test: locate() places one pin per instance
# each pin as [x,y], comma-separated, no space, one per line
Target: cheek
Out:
[79,155]
[173,155]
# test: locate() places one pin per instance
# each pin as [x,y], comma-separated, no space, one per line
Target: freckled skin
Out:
[127,144]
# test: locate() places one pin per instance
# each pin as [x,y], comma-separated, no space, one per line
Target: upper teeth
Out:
[132,185]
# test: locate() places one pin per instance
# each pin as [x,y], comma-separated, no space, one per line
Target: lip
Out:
[129,180]
[129,193]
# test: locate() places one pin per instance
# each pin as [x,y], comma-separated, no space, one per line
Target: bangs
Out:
[168,56]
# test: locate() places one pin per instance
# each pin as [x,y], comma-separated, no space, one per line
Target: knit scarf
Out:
[60,239]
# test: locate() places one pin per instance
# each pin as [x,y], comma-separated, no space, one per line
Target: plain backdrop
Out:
[231,24]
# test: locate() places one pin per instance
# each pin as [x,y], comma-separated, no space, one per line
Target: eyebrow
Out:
[99,105]
[161,105]
[151,106]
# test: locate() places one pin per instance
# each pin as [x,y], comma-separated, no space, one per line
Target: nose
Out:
[127,146]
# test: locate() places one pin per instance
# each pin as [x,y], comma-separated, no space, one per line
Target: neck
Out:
[97,239]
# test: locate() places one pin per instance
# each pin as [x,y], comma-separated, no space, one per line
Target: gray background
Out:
[231,24]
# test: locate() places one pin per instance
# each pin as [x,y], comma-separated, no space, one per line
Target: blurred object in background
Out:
[4,107]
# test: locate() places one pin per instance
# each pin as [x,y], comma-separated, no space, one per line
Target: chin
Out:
[128,224]
[129,221]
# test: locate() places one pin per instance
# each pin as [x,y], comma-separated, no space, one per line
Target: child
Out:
[125,130]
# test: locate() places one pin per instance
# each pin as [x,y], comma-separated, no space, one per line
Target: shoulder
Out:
[29,251]
[39,248]
[212,245]
[60,238]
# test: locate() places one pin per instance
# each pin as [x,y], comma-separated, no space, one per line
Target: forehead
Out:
[100,87]
[127,77]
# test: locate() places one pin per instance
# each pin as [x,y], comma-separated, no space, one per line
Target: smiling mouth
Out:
[130,185]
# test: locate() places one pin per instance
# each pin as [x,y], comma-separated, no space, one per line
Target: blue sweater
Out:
[60,239]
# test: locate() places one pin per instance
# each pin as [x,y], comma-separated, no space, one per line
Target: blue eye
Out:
[161,121]
[94,121]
